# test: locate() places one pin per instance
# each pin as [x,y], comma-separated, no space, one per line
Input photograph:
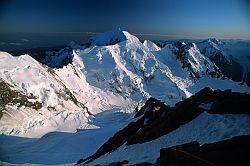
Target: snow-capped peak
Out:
[191,58]
[108,38]
[210,47]
[97,87]
[131,37]
[113,77]
[214,40]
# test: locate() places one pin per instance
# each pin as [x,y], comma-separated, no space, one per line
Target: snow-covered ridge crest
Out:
[231,56]
[105,78]
[112,37]
[108,38]
[64,94]
[210,46]
[99,89]
[192,59]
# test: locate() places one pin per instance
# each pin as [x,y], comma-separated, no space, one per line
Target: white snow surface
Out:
[206,128]
[108,38]
[238,50]
[62,147]
[110,80]
[67,116]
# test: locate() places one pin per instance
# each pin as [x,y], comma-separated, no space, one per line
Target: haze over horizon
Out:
[228,19]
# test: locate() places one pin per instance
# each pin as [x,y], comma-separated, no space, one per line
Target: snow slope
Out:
[206,128]
[99,78]
[236,49]
[67,99]
[232,56]
[97,92]
[62,147]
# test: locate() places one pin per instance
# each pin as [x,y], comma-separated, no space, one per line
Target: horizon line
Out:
[173,36]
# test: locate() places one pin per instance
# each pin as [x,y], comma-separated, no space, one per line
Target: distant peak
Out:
[184,46]
[213,40]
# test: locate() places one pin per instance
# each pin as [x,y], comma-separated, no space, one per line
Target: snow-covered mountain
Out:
[97,86]
[232,57]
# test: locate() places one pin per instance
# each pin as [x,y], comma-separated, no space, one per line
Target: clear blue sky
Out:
[180,18]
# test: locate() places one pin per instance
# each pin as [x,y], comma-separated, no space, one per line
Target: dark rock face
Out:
[143,164]
[248,79]
[231,103]
[233,70]
[119,163]
[222,102]
[155,119]
[234,151]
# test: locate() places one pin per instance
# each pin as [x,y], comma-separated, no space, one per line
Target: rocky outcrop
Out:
[234,151]
[196,63]
[155,119]
[228,102]
[219,102]
[119,163]
[151,111]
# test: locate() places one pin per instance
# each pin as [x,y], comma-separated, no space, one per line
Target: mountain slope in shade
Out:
[232,57]
[199,118]
[218,153]
[96,91]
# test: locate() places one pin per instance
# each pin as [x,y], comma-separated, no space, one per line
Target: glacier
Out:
[96,93]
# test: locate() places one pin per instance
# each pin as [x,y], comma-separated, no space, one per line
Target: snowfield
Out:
[206,128]
[87,101]
[62,147]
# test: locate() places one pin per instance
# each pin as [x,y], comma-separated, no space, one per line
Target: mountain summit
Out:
[108,38]
[97,86]
[115,72]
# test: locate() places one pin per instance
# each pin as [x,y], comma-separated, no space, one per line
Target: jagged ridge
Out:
[157,120]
